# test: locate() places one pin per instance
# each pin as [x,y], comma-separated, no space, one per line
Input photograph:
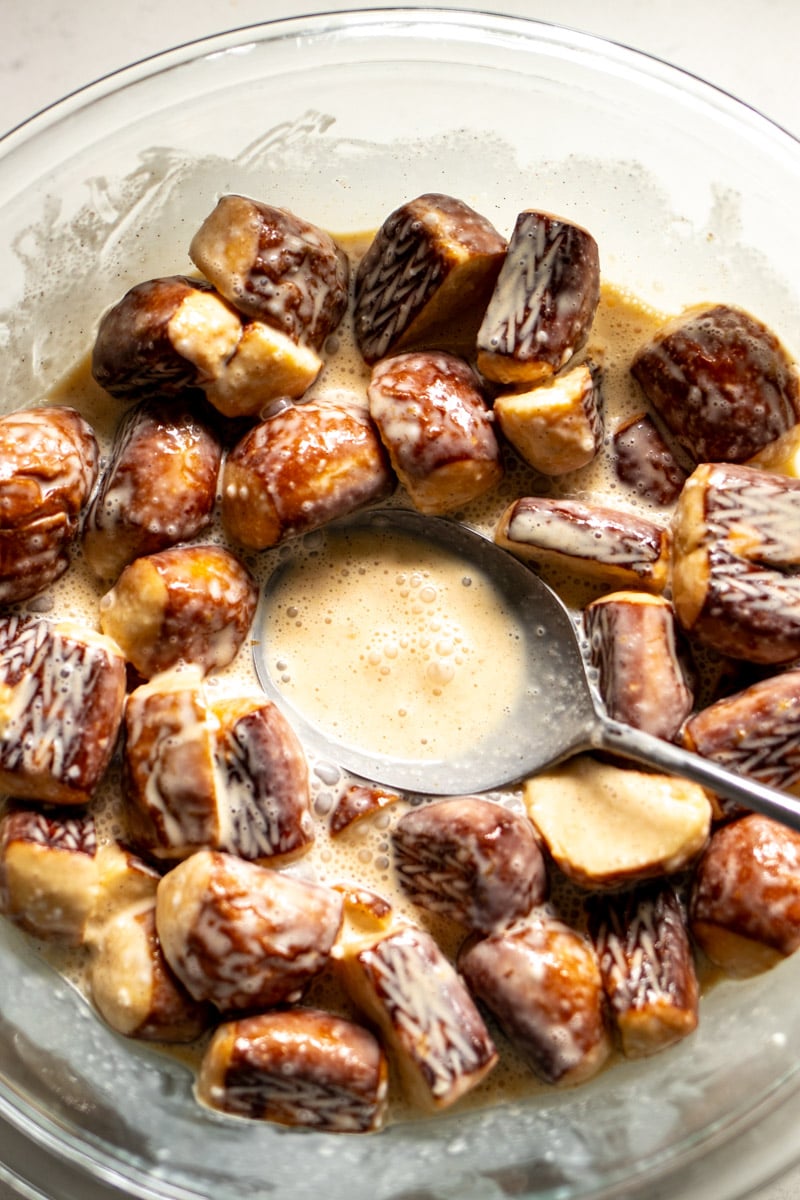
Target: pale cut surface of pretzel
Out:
[781,455]
[125,882]
[736,552]
[132,987]
[49,872]
[274,266]
[557,426]
[267,366]
[606,826]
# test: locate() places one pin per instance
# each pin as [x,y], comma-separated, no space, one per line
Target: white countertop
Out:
[52,47]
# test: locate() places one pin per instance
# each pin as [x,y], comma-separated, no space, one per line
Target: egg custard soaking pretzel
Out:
[331,949]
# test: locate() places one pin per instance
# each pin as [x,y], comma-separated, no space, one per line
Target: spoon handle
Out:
[651,751]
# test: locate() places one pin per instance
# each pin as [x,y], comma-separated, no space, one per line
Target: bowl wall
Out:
[691,197]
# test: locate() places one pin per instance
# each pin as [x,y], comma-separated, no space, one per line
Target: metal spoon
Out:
[558,714]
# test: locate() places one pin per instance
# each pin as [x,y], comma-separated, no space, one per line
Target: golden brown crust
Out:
[299,469]
[298,1067]
[645,463]
[436,428]
[544,301]
[158,489]
[262,776]
[541,981]
[169,777]
[426,279]
[359,800]
[721,382]
[49,460]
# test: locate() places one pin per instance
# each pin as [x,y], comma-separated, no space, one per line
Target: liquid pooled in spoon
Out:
[393,645]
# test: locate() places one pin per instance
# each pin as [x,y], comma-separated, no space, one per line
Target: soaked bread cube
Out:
[158,489]
[299,1067]
[613,547]
[721,382]
[426,279]
[436,428]
[49,459]
[608,826]
[62,690]
[557,426]
[647,965]
[406,985]
[736,552]
[643,675]
[541,980]
[274,266]
[745,902]
[543,305]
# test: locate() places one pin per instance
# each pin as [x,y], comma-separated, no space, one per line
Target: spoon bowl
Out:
[558,713]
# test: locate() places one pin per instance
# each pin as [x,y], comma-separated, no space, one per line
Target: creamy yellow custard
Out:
[406,651]
[394,646]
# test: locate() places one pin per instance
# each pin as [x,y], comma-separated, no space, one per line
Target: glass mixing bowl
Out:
[691,197]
